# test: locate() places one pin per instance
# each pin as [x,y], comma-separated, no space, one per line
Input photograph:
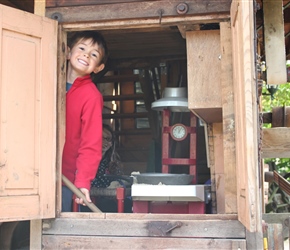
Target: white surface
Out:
[147,192]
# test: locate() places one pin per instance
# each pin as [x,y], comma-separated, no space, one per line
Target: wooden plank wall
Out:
[145,231]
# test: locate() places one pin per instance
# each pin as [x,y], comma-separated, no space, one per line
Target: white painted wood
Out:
[28,115]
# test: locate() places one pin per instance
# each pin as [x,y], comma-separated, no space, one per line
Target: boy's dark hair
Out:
[96,37]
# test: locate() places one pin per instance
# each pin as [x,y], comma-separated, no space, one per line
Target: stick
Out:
[79,194]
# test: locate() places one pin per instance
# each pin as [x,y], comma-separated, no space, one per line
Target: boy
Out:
[82,153]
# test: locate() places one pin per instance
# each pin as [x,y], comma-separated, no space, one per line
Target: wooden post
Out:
[274,42]
[275,236]
[39,7]
[229,163]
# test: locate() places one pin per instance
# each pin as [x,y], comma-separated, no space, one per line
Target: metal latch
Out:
[162,228]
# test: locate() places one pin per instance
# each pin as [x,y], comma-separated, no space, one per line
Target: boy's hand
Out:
[86,193]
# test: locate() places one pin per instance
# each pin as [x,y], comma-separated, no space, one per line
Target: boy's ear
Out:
[99,68]
[68,53]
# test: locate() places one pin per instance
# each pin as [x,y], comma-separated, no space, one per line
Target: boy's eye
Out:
[81,48]
[94,55]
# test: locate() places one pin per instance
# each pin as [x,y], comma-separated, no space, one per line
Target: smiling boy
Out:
[82,151]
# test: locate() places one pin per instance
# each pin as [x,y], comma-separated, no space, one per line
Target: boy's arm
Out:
[90,150]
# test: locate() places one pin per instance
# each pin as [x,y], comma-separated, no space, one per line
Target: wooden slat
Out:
[276,142]
[227,97]
[143,9]
[129,227]
[83,242]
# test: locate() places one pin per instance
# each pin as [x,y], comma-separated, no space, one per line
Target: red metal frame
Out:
[196,207]
[166,159]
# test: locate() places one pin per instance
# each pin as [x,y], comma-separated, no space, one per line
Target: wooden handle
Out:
[79,194]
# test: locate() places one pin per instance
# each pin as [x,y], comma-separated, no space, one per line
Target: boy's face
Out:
[86,57]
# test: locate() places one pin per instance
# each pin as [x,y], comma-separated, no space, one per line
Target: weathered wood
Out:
[204,89]
[56,3]
[139,227]
[61,104]
[219,166]
[246,116]
[144,9]
[142,216]
[276,143]
[227,97]
[35,234]
[278,218]
[274,42]
[212,166]
[83,242]
[253,240]
[275,236]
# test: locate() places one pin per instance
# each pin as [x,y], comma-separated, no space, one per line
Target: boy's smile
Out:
[85,58]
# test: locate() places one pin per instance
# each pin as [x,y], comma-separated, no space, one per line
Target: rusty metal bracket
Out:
[162,228]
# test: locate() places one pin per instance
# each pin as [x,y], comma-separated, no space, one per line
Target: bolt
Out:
[182,8]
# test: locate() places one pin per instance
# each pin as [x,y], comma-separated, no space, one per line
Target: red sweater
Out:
[82,151]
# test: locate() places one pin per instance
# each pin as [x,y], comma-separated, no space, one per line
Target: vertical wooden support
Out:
[274,42]
[219,167]
[211,165]
[39,7]
[230,179]
[35,234]
[61,103]
[246,118]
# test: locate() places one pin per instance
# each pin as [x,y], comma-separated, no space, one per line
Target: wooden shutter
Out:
[246,115]
[28,45]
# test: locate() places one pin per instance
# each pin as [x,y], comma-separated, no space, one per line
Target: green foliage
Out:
[280,98]
[276,96]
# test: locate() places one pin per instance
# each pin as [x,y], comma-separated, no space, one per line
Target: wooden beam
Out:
[145,9]
[204,88]
[275,142]
[274,42]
